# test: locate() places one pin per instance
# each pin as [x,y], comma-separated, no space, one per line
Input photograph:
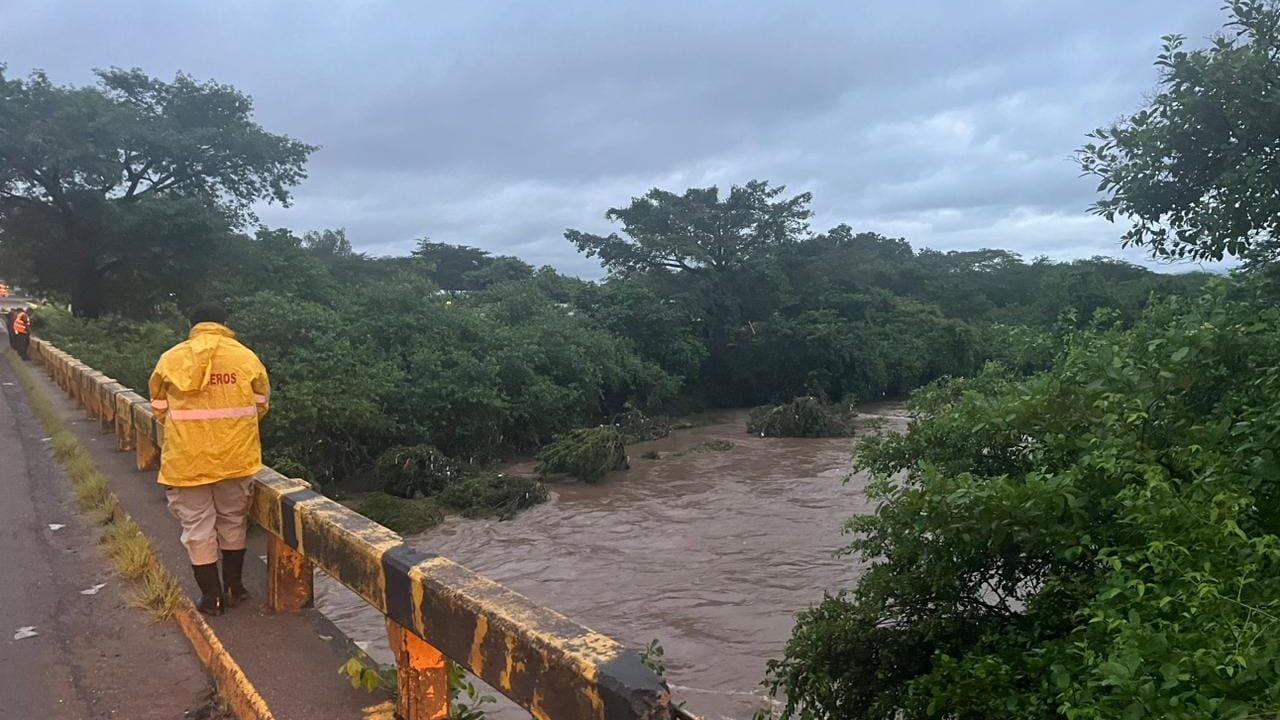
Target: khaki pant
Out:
[213,516]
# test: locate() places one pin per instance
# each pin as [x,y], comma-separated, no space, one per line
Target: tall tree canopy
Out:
[461,267]
[1198,169]
[698,231]
[93,179]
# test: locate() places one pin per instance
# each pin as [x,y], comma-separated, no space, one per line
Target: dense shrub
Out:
[126,350]
[1099,540]
[586,454]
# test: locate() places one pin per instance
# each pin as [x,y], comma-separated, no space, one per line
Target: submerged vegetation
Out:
[636,426]
[587,454]
[706,446]
[476,494]
[807,417]
[408,516]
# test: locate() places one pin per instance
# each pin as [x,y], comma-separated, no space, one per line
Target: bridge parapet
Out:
[435,609]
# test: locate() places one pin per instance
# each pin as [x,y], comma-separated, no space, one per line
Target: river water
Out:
[710,552]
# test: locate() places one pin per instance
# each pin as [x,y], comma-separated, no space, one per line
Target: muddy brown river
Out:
[710,552]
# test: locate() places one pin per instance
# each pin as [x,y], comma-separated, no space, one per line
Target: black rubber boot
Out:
[210,588]
[232,568]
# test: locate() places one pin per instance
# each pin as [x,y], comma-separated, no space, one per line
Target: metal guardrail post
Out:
[124,421]
[73,380]
[107,394]
[290,578]
[89,395]
[146,454]
[422,676]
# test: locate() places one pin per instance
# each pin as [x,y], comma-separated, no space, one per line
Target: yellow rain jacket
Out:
[209,392]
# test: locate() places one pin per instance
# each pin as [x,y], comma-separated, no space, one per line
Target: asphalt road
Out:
[91,656]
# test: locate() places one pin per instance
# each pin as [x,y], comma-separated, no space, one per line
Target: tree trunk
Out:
[86,296]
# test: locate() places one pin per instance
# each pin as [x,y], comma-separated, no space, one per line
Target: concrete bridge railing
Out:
[435,609]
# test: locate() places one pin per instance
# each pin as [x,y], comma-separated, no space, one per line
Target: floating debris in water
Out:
[93,590]
[25,632]
[56,526]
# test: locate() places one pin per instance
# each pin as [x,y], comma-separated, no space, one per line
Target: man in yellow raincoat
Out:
[209,392]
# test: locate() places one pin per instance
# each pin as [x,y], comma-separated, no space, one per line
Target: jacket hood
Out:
[197,355]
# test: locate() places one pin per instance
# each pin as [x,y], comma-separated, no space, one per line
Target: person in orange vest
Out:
[22,332]
[210,391]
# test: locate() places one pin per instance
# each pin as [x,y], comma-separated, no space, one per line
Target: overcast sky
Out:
[499,125]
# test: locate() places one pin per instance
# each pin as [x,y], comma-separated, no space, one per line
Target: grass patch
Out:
[128,548]
[157,594]
[44,409]
[65,446]
[105,513]
[92,493]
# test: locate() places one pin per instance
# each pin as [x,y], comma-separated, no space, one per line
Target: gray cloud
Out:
[501,124]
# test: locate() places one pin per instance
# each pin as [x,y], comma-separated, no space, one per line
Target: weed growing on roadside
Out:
[157,594]
[123,541]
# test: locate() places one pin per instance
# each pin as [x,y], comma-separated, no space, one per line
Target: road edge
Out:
[233,686]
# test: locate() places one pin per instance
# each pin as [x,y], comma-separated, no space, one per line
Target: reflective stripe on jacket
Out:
[21,324]
[209,392]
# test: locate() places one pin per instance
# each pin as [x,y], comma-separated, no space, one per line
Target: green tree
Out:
[328,243]
[698,232]
[132,182]
[276,259]
[464,268]
[1196,171]
[661,329]
[715,256]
